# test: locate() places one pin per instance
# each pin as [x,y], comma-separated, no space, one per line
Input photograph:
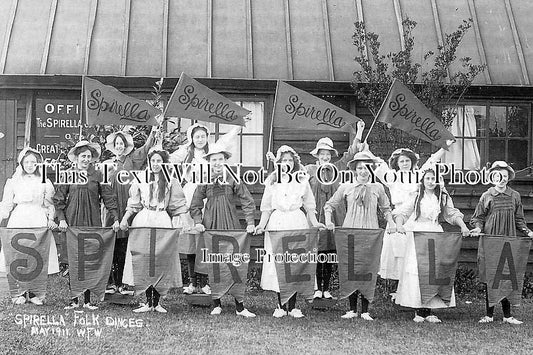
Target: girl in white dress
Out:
[155,203]
[422,214]
[29,201]
[281,210]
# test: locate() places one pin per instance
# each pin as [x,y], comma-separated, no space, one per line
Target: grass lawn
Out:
[192,329]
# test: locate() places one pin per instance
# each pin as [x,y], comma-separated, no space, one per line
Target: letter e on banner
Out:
[286,240]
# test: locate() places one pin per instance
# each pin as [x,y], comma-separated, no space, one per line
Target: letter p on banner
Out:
[26,254]
[90,255]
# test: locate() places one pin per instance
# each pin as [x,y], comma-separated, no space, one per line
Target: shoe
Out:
[296,313]
[216,311]
[512,320]
[126,290]
[72,305]
[19,300]
[366,316]
[36,301]
[90,307]
[418,319]
[245,313]
[432,319]
[111,290]
[159,309]
[279,312]
[327,295]
[318,294]
[206,289]
[486,319]
[189,290]
[143,308]
[350,315]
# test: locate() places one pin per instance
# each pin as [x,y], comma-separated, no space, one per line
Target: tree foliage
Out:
[435,87]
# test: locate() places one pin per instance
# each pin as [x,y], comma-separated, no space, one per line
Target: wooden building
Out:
[240,48]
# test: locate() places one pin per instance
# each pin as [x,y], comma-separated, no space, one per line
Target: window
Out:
[248,149]
[486,133]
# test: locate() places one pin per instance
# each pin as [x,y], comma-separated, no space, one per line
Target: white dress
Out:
[30,203]
[394,244]
[408,293]
[285,201]
[156,216]
[187,242]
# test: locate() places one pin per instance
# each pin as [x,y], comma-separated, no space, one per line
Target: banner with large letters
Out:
[90,255]
[437,255]
[26,254]
[359,253]
[502,263]
[227,254]
[193,100]
[105,105]
[156,261]
[403,110]
[295,108]
[293,259]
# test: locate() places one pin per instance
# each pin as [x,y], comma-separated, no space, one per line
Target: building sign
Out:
[57,124]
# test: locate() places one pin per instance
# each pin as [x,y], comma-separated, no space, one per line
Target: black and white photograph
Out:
[266,176]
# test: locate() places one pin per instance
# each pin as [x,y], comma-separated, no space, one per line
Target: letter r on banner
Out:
[217,240]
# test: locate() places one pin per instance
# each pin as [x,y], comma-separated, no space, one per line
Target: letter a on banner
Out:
[437,255]
[193,100]
[502,263]
[403,110]
[358,251]
[90,255]
[26,254]
[295,108]
[226,276]
[296,275]
[155,257]
[105,105]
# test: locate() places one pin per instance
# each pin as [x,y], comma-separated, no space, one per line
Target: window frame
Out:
[484,148]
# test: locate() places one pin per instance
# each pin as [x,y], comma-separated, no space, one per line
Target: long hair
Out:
[190,148]
[162,183]
[37,157]
[297,166]
[439,192]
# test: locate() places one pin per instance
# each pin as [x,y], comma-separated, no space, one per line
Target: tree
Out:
[437,89]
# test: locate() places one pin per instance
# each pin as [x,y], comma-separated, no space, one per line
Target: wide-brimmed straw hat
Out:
[110,142]
[500,164]
[25,151]
[94,147]
[365,156]
[216,149]
[324,143]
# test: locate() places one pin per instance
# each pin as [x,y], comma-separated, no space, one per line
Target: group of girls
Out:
[413,206]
